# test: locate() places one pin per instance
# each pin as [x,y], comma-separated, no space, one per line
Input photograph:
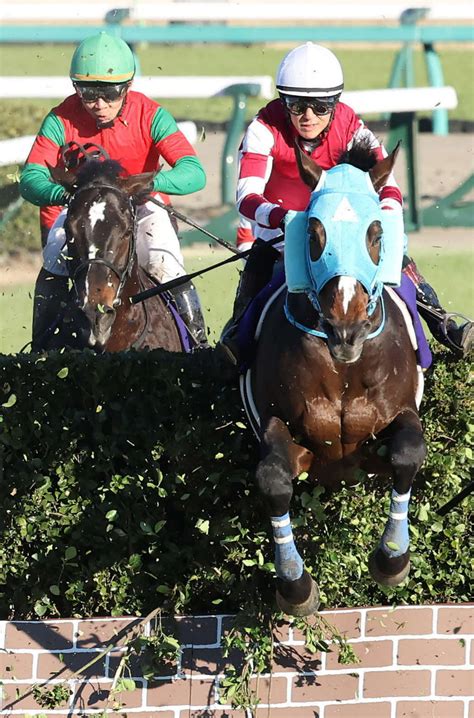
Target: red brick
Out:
[19,696]
[391,684]
[181,692]
[288,712]
[197,631]
[47,635]
[471,709]
[370,654]
[455,619]
[270,689]
[358,710]
[295,659]
[99,633]
[126,713]
[206,713]
[399,622]
[63,665]
[167,668]
[324,688]
[454,683]
[16,666]
[203,661]
[281,631]
[430,709]
[427,652]
[97,695]
[346,623]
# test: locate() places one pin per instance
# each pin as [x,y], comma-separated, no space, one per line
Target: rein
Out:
[323,335]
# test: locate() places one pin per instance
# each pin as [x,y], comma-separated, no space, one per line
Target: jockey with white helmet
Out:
[128,127]
[308,112]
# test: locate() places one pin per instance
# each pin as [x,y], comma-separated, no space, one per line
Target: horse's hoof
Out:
[389,571]
[306,608]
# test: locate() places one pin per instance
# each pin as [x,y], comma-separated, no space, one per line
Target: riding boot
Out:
[256,275]
[189,308]
[458,338]
[51,294]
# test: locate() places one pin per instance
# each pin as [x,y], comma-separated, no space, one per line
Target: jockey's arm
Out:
[255,165]
[186,173]
[36,184]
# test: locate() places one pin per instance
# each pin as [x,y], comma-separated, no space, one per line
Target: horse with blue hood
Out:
[335,366]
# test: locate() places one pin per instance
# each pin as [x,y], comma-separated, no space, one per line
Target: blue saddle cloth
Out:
[248,324]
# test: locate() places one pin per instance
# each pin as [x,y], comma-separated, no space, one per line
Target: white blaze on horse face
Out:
[347,287]
[93,251]
[96,213]
[345,212]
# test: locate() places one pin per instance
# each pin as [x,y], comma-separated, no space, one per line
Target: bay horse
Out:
[100,231]
[335,368]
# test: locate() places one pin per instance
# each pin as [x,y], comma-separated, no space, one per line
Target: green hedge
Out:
[127,483]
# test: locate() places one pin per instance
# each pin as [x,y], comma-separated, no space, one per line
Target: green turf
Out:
[451,273]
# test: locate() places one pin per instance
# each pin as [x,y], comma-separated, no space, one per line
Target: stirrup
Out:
[466,337]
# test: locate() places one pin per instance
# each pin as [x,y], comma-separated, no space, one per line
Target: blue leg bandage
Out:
[395,539]
[288,562]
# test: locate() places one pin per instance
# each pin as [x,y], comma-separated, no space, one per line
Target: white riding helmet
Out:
[310,70]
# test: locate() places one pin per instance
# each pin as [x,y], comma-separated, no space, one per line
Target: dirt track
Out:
[443,163]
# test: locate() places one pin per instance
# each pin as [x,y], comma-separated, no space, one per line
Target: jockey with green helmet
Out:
[137,132]
[308,112]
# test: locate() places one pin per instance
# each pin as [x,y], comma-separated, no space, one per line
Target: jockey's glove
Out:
[276,218]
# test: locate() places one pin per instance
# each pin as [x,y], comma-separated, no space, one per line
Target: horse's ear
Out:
[381,171]
[61,176]
[310,171]
[137,184]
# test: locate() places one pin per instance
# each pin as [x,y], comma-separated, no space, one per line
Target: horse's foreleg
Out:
[390,563]
[282,460]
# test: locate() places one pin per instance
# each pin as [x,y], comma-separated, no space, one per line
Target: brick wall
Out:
[415,662]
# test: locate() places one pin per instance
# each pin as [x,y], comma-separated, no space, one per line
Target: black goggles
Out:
[299,105]
[108,93]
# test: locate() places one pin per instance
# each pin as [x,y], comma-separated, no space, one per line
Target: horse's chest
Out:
[344,416]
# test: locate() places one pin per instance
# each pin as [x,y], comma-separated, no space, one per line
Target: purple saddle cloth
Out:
[248,324]
[187,342]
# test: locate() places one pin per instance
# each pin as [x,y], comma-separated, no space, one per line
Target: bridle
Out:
[122,275]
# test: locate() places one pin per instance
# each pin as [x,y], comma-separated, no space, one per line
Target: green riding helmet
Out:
[102,58]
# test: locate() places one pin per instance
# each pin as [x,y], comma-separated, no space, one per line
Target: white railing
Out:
[231,11]
[166,86]
[411,99]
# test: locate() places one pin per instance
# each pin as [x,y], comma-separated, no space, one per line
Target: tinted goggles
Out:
[320,107]
[108,93]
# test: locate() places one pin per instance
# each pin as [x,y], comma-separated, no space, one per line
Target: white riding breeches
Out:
[158,249]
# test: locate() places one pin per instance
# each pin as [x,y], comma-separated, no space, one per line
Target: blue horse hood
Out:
[346,204]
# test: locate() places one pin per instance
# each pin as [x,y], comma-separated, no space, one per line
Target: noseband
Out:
[122,275]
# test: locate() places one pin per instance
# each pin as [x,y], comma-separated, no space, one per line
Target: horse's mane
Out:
[99,172]
[361,155]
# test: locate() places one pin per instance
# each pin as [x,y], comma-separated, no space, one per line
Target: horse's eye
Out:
[317,238]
